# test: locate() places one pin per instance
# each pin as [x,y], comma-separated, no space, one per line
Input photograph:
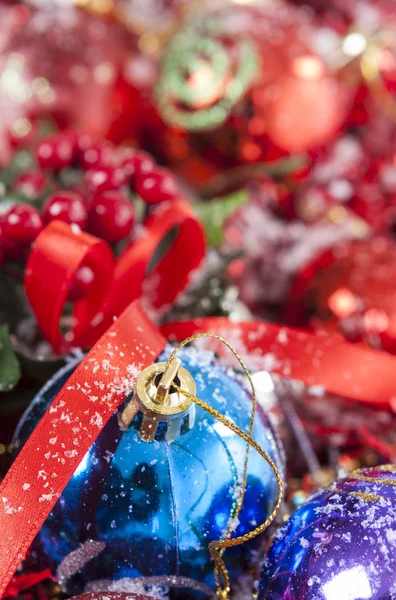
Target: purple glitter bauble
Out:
[339,545]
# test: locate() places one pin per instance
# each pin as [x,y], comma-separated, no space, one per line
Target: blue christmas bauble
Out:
[137,513]
[339,545]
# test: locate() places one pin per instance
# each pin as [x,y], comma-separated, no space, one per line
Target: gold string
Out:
[218,547]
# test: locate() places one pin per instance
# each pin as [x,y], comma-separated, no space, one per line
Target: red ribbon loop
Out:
[56,256]
[317,359]
[59,251]
[66,432]
[171,275]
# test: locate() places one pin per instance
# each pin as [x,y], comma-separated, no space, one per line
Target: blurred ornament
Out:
[58,60]
[273,249]
[136,515]
[244,84]
[351,289]
[301,102]
[151,20]
[203,78]
[339,543]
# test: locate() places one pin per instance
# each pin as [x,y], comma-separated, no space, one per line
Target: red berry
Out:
[10,250]
[55,152]
[105,179]
[31,184]
[111,216]
[157,186]
[137,163]
[22,224]
[82,283]
[93,156]
[66,206]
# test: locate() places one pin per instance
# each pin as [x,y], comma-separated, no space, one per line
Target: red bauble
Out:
[111,216]
[298,102]
[66,206]
[351,290]
[302,104]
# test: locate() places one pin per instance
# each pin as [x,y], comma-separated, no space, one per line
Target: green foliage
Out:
[214,213]
[10,371]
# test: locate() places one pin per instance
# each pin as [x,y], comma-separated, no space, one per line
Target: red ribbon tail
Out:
[68,429]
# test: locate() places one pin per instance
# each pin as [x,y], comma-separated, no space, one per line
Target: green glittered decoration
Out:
[193,51]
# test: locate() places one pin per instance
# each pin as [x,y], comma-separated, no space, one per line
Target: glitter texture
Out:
[349,549]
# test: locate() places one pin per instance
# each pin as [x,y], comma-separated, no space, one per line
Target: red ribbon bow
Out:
[59,252]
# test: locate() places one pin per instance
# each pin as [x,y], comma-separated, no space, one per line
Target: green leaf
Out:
[214,213]
[10,371]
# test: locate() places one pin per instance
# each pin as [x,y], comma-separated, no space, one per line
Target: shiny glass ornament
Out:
[339,545]
[134,511]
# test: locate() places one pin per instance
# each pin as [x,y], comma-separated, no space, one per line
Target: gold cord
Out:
[217,548]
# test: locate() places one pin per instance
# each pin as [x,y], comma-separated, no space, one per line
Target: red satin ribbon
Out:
[21,583]
[317,359]
[57,255]
[59,251]
[68,429]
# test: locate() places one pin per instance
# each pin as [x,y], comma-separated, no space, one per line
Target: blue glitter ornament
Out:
[138,514]
[339,545]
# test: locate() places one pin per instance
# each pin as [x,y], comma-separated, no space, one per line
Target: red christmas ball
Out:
[303,106]
[350,290]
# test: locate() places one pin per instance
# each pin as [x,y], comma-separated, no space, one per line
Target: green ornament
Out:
[220,81]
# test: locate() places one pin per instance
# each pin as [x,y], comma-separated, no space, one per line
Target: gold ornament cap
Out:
[160,402]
